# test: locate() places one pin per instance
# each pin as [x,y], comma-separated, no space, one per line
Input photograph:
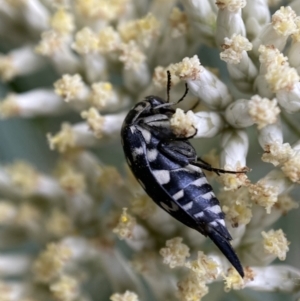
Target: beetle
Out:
[168,169]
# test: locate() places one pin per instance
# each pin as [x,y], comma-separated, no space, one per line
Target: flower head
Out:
[74,73]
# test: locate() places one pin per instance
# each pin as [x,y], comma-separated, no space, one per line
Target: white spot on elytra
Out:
[199,214]
[137,152]
[217,223]
[152,154]
[214,209]
[178,195]
[188,206]
[214,224]
[221,221]
[208,196]
[162,176]
[193,168]
[146,134]
[199,182]
[133,129]
[173,207]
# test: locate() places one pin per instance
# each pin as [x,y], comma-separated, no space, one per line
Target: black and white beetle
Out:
[168,169]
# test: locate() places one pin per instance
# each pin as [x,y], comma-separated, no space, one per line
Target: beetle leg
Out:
[178,151]
[218,171]
[186,138]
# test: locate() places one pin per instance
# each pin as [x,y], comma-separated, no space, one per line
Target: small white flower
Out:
[127,296]
[263,111]
[275,243]
[237,114]
[203,83]
[126,225]
[270,134]
[229,20]
[175,252]
[265,192]
[234,149]
[12,64]
[39,102]
[274,278]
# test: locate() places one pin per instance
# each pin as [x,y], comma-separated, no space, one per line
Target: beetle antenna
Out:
[167,104]
[168,85]
[185,93]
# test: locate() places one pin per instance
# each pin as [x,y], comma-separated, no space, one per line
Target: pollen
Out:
[62,21]
[102,95]
[263,111]
[183,123]
[66,288]
[50,44]
[7,68]
[282,77]
[233,280]
[237,206]
[291,168]
[87,8]
[296,35]
[9,107]
[69,86]
[63,140]
[277,153]
[160,77]
[233,181]
[127,296]
[95,121]
[143,30]
[178,22]
[101,9]
[279,75]
[131,56]
[51,262]
[86,41]
[24,176]
[108,40]
[124,218]
[191,289]
[189,68]
[270,55]
[275,243]
[175,253]
[125,226]
[283,21]
[263,194]
[205,267]
[233,49]
[71,180]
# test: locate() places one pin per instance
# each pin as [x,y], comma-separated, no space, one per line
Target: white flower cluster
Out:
[81,220]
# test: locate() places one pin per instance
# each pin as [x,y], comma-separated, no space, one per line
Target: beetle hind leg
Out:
[206,166]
